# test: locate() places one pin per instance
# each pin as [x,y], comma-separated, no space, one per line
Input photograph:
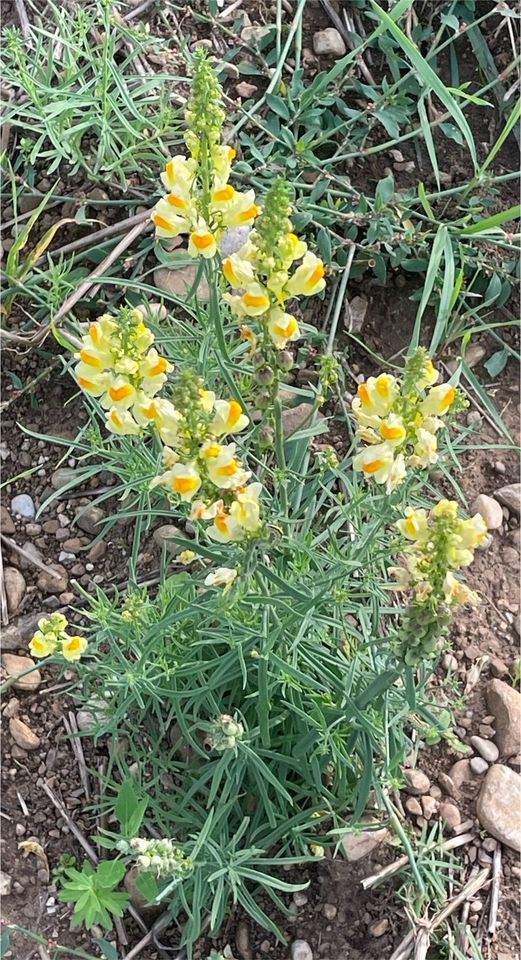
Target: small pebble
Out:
[478,766]
[490,510]
[379,927]
[23,505]
[486,748]
[417,782]
[301,950]
[330,911]
[450,815]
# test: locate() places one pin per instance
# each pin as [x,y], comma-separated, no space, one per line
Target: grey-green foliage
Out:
[79,100]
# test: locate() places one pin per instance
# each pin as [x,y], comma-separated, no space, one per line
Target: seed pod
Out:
[285,360]
[258,359]
[263,399]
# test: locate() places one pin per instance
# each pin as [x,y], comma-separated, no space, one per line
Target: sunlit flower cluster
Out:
[437,544]
[399,420]
[51,637]
[263,276]
[118,364]
[202,466]
[162,858]
[199,200]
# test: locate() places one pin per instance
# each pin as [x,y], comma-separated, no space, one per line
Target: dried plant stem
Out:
[45,568]
[393,868]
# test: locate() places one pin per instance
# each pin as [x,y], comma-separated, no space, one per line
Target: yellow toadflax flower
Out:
[200,202]
[229,418]
[397,412]
[221,577]
[73,647]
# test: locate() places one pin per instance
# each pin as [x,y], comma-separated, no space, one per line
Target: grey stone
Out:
[417,782]
[479,766]
[6,522]
[499,805]
[450,815]
[62,476]
[242,941]
[510,496]
[490,510]
[379,927]
[97,551]
[301,950]
[505,703]
[6,884]
[179,281]
[233,240]
[23,505]
[328,43]
[48,583]
[459,773]
[357,846]
[15,588]
[32,550]
[163,535]
[90,519]
[295,417]
[18,634]
[245,89]
[485,748]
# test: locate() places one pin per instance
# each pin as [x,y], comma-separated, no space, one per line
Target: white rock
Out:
[24,506]
[329,43]
[490,510]
[301,950]
[6,884]
[510,496]
[485,748]
[479,766]
[180,281]
[233,240]
[499,805]
[330,911]
[357,846]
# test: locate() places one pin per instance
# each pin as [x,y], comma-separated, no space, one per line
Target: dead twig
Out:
[84,287]
[139,10]
[494,890]
[29,557]
[71,727]
[3,597]
[25,26]
[393,868]
[419,938]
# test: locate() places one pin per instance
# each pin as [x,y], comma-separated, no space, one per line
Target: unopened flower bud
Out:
[263,399]
[258,359]
[266,436]
[264,376]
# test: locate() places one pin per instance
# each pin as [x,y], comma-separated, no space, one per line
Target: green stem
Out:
[7,684]
[281,459]
[263,701]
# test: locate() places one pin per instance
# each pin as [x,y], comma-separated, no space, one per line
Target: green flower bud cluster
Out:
[272,225]
[204,115]
[225,733]
[159,857]
[421,630]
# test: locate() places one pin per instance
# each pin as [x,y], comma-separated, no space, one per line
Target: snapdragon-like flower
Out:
[399,420]
[51,637]
[118,364]
[262,272]
[200,202]
[204,469]
[221,577]
[437,544]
